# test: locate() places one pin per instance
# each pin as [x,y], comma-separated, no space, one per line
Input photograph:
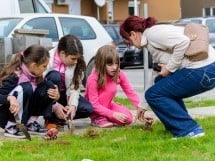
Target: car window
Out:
[7,25]
[78,27]
[184,21]
[112,33]
[196,21]
[211,25]
[46,23]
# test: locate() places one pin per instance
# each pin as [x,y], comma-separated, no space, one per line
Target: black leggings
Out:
[84,108]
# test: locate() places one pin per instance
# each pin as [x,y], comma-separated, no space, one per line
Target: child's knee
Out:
[54,76]
[27,88]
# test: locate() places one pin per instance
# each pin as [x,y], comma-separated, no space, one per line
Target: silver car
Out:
[208,21]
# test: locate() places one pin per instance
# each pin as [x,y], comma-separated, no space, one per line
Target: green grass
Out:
[188,102]
[119,144]
[131,143]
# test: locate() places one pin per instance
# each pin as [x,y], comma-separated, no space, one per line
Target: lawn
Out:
[131,143]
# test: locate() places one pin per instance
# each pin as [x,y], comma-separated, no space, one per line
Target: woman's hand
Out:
[54,93]
[164,72]
[120,117]
[14,104]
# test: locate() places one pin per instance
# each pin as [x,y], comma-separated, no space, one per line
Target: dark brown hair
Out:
[71,45]
[106,55]
[135,23]
[33,54]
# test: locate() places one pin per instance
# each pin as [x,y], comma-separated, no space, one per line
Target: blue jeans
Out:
[165,97]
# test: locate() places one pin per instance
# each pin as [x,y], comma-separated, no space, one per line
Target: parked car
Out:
[208,21]
[87,29]
[129,55]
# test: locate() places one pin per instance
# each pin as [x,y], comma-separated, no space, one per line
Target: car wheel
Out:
[88,71]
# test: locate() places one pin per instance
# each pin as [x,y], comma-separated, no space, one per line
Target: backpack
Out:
[199,41]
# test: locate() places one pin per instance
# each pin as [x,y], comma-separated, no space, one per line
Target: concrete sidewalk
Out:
[82,124]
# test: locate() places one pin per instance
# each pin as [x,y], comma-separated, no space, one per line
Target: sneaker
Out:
[36,128]
[197,132]
[13,132]
[101,122]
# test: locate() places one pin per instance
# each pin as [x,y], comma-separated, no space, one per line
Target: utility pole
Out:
[146,54]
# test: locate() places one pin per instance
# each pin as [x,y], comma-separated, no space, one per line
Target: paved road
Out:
[136,77]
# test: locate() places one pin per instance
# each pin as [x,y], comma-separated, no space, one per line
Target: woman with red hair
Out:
[177,76]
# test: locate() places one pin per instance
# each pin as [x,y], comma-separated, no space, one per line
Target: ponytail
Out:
[137,24]
[149,22]
[11,67]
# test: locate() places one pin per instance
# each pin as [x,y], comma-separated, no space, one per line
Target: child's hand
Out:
[142,115]
[70,112]
[54,93]
[120,117]
[14,104]
[59,111]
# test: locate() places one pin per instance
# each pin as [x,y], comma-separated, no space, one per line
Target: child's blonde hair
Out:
[106,55]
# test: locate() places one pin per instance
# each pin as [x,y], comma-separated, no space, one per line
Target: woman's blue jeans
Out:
[165,97]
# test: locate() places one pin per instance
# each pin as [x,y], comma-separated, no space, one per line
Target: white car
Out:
[87,29]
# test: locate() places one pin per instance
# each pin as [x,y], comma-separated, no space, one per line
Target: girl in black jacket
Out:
[18,81]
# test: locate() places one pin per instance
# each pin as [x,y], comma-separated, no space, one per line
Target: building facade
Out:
[202,8]
[114,11]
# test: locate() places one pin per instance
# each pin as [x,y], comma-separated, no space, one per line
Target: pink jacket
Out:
[101,98]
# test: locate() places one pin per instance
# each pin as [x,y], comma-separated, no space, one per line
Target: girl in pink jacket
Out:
[101,88]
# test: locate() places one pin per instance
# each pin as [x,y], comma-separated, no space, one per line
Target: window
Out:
[7,25]
[31,6]
[114,33]
[209,11]
[46,23]
[211,25]
[131,8]
[77,27]
[198,21]
[26,6]
[39,7]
